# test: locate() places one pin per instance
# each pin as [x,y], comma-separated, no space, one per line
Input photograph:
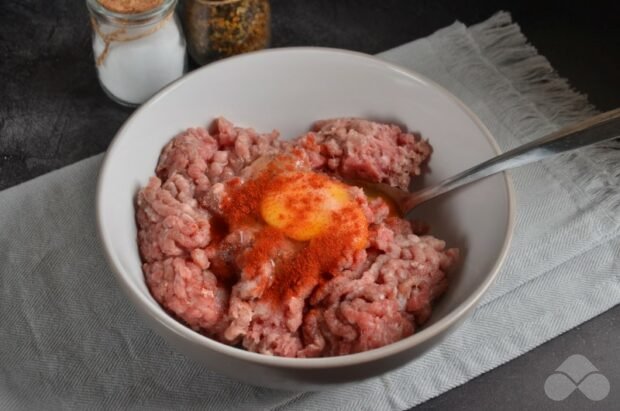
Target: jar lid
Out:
[130,6]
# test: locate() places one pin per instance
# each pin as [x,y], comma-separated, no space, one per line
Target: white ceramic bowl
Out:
[289,89]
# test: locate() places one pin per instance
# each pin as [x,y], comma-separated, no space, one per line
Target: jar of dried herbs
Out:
[217,29]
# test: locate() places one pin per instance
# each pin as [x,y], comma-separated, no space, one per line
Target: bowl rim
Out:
[157,313]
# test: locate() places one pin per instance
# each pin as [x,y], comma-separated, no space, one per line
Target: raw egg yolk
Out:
[306,205]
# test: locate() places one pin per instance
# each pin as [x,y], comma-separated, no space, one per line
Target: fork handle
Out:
[592,130]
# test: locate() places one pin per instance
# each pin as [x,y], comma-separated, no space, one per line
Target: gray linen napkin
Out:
[69,340]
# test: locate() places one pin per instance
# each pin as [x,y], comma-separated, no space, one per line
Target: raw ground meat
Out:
[194,265]
[365,149]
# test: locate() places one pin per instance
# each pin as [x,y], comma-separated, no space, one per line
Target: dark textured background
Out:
[53,113]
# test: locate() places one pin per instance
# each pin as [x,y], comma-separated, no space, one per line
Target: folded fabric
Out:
[70,340]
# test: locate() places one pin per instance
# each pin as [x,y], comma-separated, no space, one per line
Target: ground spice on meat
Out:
[241,204]
[294,275]
[320,256]
[265,244]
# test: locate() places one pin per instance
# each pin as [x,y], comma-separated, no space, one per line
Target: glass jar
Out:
[217,29]
[137,51]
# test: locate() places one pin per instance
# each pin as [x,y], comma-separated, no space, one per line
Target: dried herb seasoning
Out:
[217,29]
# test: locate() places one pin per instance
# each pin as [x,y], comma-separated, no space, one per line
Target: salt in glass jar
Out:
[139,47]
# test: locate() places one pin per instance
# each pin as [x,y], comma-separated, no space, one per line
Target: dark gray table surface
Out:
[53,113]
